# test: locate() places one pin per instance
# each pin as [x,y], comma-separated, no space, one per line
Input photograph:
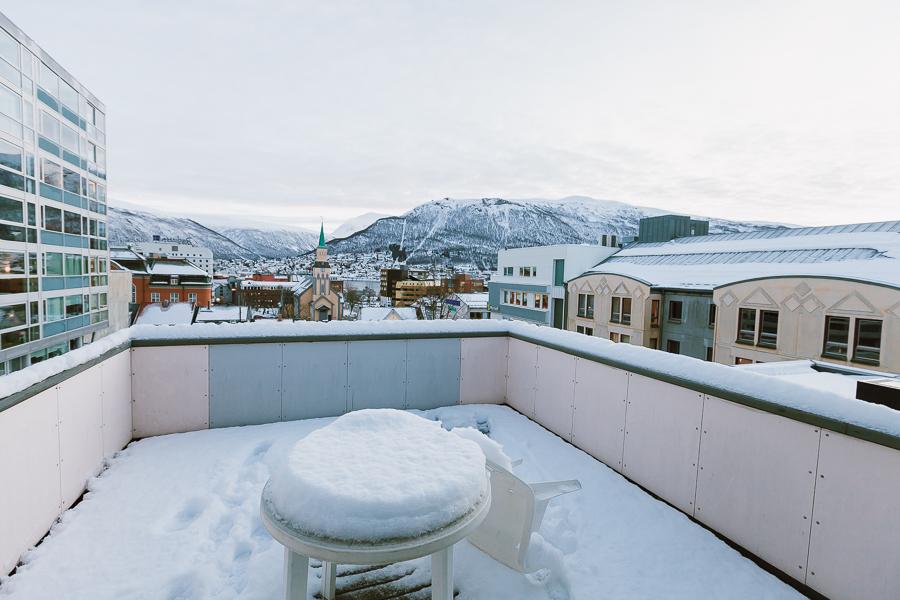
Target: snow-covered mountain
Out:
[351,226]
[472,231]
[273,243]
[126,225]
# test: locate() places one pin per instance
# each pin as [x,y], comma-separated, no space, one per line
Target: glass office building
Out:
[54,260]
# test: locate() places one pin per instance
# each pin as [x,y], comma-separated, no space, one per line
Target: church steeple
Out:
[322,236]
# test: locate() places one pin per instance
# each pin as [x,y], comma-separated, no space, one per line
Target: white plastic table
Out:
[300,547]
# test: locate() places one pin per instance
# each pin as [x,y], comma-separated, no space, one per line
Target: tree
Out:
[434,302]
[352,297]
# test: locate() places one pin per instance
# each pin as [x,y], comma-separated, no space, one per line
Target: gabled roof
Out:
[380,313]
[295,287]
[868,252]
[175,267]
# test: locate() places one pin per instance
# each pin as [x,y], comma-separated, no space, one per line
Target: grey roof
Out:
[757,256]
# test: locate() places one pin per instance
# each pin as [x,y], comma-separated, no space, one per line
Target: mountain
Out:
[351,226]
[273,243]
[127,225]
[472,231]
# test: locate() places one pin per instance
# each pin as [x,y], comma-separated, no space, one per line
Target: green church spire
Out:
[322,236]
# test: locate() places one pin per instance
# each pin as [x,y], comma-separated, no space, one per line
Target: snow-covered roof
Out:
[123,254]
[474,299]
[162,267]
[218,312]
[805,373]
[176,313]
[297,287]
[865,252]
[379,313]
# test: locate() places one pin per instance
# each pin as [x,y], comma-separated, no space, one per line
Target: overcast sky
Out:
[291,111]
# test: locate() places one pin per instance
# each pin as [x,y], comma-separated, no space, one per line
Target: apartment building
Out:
[178,249]
[54,262]
[530,283]
[155,280]
[824,293]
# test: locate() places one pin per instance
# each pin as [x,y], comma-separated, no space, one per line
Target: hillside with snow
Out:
[472,231]
[351,226]
[273,243]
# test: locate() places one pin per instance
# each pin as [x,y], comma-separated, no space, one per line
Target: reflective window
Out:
[747,326]
[10,210]
[12,233]
[867,347]
[10,155]
[73,264]
[68,95]
[51,173]
[74,305]
[72,223]
[54,309]
[71,181]
[52,218]
[12,316]
[9,48]
[69,138]
[10,103]
[12,263]
[48,80]
[837,336]
[768,328]
[49,126]
[53,263]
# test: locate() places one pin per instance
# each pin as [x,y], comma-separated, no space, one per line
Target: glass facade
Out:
[54,258]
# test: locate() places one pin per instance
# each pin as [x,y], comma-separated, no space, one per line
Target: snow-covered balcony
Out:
[699,480]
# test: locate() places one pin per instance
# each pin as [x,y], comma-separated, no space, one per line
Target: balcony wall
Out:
[806,491]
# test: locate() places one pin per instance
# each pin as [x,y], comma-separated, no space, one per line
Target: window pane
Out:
[54,309]
[626,311]
[51,173]
[837,336]
[10,155]
[52,218]
[53,263]
[68,95]
[615,310]
[12,316]
[12,263]
[868,341]
[10,103]
[49,126]
[69,138]
[71,181]
[74,305]
[73,264]
[747,325]
[48,80]
[9,48]
[11,210]
[768,323]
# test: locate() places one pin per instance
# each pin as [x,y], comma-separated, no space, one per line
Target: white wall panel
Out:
[662,438]
[756,481]
[116,402]
[80,437]
[855,538]
[483,370]
[554,392]
[522,376]
[170,388]
[599,418]
[29,455]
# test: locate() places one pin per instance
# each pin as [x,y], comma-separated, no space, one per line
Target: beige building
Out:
[842,321]
[824,293]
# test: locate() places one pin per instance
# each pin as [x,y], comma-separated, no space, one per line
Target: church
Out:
[317,298]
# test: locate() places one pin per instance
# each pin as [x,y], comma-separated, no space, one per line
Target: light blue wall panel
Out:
[244,384]
[377,374]
[432,373]
[314,381]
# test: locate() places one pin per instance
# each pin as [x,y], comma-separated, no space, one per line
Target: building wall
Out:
[693,332]
[201,257]
[604,287]
[802,305]
[53,189]
[499,310]
[119,300]
[144,290]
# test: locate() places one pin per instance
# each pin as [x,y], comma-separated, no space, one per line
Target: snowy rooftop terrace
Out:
[672,452]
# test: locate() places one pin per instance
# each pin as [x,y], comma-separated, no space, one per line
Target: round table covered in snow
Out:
[372,488]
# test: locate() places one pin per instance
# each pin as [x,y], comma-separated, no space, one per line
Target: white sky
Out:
[291,111]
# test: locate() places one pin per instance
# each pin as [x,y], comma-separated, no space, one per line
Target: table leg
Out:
[442,574]
[329,580]
[296,571]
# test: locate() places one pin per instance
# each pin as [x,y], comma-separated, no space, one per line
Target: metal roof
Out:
[756,256]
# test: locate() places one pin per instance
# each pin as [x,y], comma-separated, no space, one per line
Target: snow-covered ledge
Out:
[774,466]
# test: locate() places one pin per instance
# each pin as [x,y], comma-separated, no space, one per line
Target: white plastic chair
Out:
[517,509]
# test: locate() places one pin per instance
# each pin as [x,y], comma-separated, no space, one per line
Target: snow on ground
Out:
[177,517]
